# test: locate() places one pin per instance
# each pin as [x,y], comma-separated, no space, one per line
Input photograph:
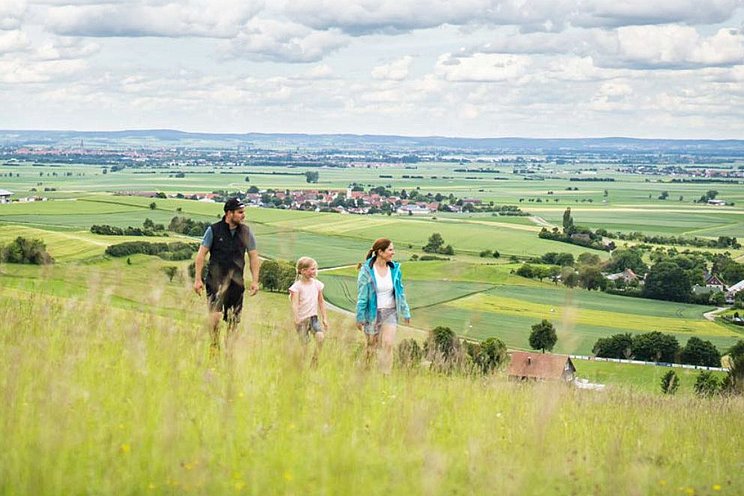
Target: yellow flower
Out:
[125,448]
[287,475]
[716,487]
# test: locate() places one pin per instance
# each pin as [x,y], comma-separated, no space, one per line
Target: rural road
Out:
[712,314]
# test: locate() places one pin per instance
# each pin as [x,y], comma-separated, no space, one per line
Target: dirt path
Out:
[712,314]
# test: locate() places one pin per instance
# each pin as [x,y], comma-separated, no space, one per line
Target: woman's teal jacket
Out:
[366,310]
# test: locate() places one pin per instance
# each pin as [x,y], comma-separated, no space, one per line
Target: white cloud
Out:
[132,18]
[18,71]
[267,39]
[483,67]
[11,13]
[65,48]
[13,41]
[396,70]
[642,12]
[675,46]
[320,71]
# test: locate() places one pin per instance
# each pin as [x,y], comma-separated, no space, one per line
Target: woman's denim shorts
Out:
[385,316]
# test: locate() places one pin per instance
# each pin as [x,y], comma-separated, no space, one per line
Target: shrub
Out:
[409,353]
[26,251]
[277,275]
[488,355]
[443,350]
[669,383]
[706,384]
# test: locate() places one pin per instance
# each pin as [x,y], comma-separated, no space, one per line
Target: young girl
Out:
[381,300]
[306,295]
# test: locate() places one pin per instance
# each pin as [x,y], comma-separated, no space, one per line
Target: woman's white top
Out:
[385,295]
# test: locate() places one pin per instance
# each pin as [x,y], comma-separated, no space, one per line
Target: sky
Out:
[461,68]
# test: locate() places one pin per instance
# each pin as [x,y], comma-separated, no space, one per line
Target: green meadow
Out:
[105,398]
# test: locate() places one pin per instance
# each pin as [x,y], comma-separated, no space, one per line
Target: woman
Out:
[381,300]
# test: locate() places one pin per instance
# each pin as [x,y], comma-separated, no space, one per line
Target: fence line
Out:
[656,364]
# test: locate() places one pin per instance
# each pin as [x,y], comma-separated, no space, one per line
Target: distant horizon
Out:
[356,134]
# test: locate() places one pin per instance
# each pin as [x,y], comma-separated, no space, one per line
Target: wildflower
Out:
[716,487]
[287,475]
[125,448]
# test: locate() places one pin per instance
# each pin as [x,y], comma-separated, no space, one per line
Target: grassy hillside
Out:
[105,399]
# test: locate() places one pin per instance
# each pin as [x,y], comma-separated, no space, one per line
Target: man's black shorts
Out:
[229,301]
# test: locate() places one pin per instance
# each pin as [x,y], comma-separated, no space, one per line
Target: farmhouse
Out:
[540,366]
[413,210]
[627,275]
[5,195]
[718,203]
[731,293]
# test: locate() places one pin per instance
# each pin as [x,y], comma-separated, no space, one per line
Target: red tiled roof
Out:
[538,365]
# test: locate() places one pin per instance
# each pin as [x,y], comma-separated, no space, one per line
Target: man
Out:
[227,242]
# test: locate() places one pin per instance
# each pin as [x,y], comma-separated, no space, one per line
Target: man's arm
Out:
[255,263]
[199,268]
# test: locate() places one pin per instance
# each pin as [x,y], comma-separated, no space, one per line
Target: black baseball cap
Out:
[234,204]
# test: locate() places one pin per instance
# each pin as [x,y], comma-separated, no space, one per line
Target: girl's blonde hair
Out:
[304,263]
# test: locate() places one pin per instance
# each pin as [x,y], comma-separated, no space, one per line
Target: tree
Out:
[312,176]
[615,346]
[591,278]
[733,383]
[737,349]
[587,258]
[526,270]
[153,206]
[276,275]
[170,271]
[434,244]
[627,259]
[488,355]
[667,281]
[543,336]
[443,349]
[699,352]
[568,224]
[247,179]
[570,277]
[253,189]
[669,383]
[706,384]
[717,298]
[655,347]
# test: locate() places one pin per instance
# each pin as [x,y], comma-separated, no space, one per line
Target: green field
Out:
[477,297]
[640,377]
[508,309]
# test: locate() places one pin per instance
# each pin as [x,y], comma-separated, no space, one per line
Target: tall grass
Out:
[110,401]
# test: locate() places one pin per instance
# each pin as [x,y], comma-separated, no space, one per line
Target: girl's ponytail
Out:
[379,244]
